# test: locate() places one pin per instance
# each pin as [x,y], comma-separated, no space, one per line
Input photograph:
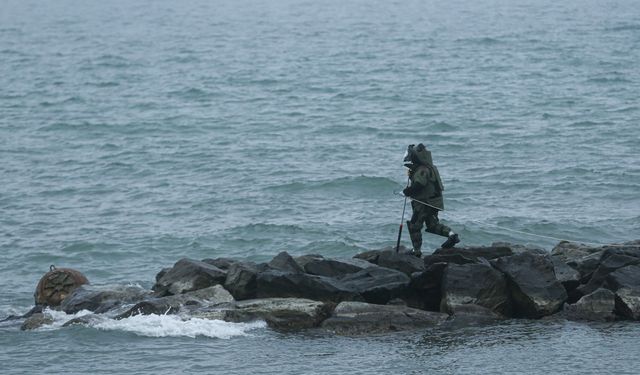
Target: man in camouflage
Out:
[425,190]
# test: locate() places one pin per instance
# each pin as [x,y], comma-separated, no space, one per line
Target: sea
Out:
[136,133]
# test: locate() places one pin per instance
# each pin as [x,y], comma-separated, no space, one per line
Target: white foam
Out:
[175,326]
[159,325]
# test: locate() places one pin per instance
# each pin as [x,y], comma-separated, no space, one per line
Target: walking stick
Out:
[401,221]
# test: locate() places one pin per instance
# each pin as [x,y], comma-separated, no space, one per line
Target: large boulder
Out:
[207,297]
[475,284]
[188,275]
[625,282]
[597,306]
[377,284]
[535,290]
[274,283]
[222,263]
[356,318]
[569,277]
[570,251]
[100,299]
[279,313]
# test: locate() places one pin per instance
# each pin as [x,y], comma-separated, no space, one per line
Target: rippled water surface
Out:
[136,133]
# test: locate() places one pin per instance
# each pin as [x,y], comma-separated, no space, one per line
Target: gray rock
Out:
[609,262]
[188,275]
[357,318]
[84,320]
[519,249]
[336,268]
[274,283]
[597,306]
[476,284]
[472,315]
[425,288]
[100,299]
[535,290]
[465,255]
[569,277]
[222,263]
[212,296]
[36,321]
[372,256]
[377,284]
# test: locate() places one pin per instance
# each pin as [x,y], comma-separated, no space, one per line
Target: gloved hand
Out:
[406,192]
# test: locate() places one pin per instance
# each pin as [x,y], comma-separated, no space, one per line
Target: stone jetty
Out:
[381,290]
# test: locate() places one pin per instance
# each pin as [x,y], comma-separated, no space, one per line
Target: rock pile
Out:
[381,290]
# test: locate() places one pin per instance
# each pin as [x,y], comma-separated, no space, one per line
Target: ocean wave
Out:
[360,185]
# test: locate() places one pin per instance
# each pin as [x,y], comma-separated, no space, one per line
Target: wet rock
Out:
[519,249]
[162,273]
[625,282]
[36,321]
[188,275]
[403,262]
[335,268]
[241,280]
[279,313]
[84,320]
[373,255]
[535,290]
[284,262]
[207,297]
[100,299]
[476,284]
[357,318]
[377,284]
[571,252]
[597,306]
[274,283]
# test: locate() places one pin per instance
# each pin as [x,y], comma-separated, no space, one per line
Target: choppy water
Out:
[135,133]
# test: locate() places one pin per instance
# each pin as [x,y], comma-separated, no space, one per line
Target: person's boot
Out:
[451,241]
[417,253]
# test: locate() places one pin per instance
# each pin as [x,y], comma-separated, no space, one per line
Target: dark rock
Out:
[162,273]
[406,263]
[519,249]
[284,262]
[535,290]
[84,320]
[626,283]
[609,262]
[102,299]
[356,318]
[597,306]
[241,280]
[425,288]
[303,260]
[207,297]
[569,277]
[371,256]
[279,313]
[222,263]
[334,267]
[36,321]
[188,275]
[274,283]
[447,258]
[377,284]
[476,284]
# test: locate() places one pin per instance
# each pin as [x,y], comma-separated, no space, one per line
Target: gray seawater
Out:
[136,133]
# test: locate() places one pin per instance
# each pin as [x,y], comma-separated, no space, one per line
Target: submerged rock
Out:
[188,275]
[535,291]
[36,321]
[357,318]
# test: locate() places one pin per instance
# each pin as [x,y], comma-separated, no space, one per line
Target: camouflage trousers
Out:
[429,217]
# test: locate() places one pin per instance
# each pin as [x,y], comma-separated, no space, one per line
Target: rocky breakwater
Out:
[380,290]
